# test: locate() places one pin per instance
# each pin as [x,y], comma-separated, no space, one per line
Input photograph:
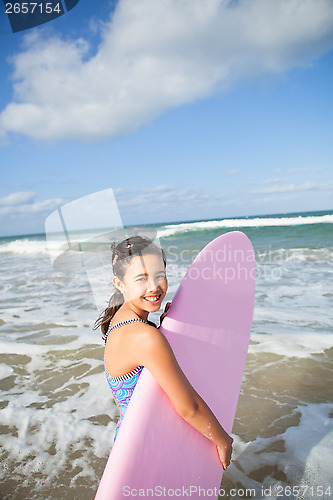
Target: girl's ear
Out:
[118,284]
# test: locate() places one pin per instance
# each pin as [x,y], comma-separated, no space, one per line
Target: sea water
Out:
[57,415]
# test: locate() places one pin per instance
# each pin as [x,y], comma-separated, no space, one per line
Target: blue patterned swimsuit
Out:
[122,387]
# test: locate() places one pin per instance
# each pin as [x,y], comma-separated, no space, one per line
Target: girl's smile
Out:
[153,299]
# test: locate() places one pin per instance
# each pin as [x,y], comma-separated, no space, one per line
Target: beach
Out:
[57,415]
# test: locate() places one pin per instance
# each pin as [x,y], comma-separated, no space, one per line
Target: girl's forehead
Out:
[145,262]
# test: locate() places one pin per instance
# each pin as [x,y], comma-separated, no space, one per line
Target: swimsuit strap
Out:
[117,325]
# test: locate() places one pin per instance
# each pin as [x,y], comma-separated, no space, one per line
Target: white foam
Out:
[26,247]
[306,459]
[309,446]
[295,255]
[300,345]
[5,371]
[247,222]
[39,353]
[11,347]
[65,425]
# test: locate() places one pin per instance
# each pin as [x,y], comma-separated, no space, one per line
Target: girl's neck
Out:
[128,308]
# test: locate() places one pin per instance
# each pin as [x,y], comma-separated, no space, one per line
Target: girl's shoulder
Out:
[129,324]
[125,319]
[130,335]
[139,337]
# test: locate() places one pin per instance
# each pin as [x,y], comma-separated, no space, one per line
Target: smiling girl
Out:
[133,342]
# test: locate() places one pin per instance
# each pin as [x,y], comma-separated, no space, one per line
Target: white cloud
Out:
[274,180]
[161,188]
[232,172]
[294,188]
[297,170]
[163,201]
[22,204]
[324,168]
[19,198]
[154,56]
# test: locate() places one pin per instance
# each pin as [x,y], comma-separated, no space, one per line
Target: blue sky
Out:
[187,109]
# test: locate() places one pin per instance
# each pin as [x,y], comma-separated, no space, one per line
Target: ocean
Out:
[57,415]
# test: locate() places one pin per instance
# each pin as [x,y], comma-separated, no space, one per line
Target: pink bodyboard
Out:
[208,327]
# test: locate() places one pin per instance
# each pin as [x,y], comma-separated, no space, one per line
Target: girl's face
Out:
[145,283]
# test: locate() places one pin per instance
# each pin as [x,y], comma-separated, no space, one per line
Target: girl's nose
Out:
[152,284]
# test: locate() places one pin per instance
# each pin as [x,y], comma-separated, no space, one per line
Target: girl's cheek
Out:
[139,290]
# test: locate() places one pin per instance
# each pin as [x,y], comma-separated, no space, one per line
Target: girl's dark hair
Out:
[121,257]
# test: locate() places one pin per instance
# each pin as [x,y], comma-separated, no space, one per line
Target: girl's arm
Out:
[154,352]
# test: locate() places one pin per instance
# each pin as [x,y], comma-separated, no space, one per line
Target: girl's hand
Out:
[165,312]
[225,453]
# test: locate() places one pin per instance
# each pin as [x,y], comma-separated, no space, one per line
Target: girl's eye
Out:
[159,277]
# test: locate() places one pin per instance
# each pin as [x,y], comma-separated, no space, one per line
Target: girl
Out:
[132,341]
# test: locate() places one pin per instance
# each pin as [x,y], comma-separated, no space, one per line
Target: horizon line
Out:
[189,220]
